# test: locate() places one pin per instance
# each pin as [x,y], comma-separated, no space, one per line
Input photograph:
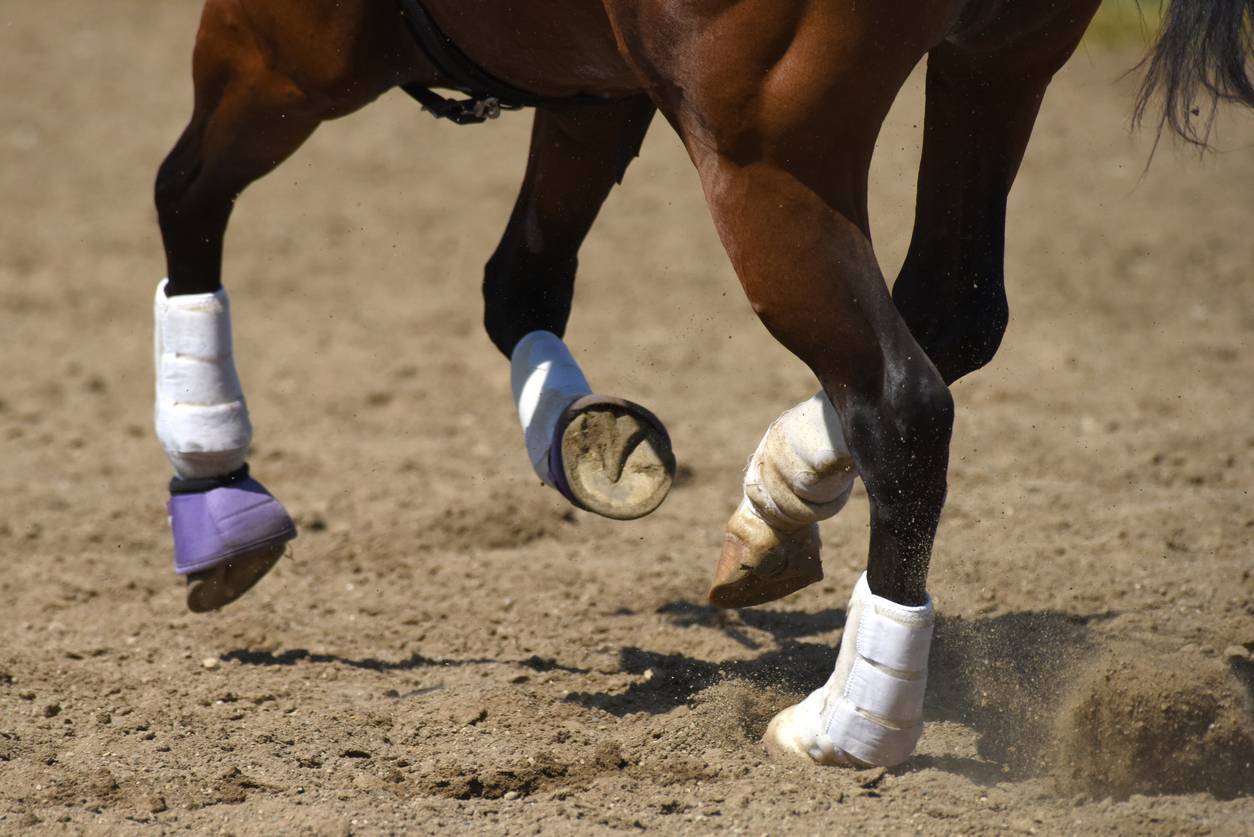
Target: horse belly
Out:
[547,47]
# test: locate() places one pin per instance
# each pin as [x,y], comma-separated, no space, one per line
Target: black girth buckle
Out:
[473,111]
[484,109]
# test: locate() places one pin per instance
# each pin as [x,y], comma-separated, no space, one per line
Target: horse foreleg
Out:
[248,116]
[981,106]
[605,455]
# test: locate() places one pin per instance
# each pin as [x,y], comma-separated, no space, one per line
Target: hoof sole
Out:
[747,576]
[217,587]
[616,457]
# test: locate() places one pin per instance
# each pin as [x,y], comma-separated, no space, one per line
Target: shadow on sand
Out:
[414,661]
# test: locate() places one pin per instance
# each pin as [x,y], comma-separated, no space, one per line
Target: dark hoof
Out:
[219,586]
[760,565]
[612,457]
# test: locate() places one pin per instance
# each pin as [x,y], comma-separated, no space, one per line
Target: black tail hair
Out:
[1204,45]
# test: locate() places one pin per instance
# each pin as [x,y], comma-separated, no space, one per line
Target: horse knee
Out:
[175,177]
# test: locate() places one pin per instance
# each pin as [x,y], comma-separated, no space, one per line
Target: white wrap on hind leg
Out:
[201,418]
[870,711]
[802,471]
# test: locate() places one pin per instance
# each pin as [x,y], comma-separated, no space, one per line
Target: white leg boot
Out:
[545,380]
[228,530]
[201,417]
[870,711]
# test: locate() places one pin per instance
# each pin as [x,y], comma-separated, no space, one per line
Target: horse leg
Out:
[779,105]
[981,106]
[248,116]
[605,455]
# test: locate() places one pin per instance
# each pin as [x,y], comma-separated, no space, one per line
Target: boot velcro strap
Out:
[869,741]
[883,695]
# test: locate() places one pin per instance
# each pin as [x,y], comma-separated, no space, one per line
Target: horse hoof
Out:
[216,588]
[788,730]
[227,535]
[780,741]
[777,740]
[760,564]
[612,457]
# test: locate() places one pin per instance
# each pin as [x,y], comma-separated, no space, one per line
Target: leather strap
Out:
[488,94]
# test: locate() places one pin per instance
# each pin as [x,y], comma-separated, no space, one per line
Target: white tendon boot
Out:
[545,380]
[870,711]
[201,418]
[801,473]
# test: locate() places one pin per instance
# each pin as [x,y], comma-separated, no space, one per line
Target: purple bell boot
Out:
[228,533]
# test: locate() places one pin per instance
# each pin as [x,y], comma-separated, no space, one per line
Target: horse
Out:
[778,104]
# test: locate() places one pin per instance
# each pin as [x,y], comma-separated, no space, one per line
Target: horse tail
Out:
[1204,45]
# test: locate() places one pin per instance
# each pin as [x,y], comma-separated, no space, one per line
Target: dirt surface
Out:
[450,647]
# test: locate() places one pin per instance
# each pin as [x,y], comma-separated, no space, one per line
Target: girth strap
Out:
[488,94]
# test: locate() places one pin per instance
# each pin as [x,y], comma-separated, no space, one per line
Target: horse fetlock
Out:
[201,417]
[802,471]
[870,711]
[785,490]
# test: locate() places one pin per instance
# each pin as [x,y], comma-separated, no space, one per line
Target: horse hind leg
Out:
[950,293]
[228,530]
[604,454]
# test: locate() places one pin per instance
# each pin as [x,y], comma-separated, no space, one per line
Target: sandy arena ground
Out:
[450,647]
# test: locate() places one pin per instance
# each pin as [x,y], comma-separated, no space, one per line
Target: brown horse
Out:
[778,103]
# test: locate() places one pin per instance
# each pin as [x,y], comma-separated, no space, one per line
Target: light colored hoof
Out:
[760,564]
[615,457]
[788,730]
[779,741]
